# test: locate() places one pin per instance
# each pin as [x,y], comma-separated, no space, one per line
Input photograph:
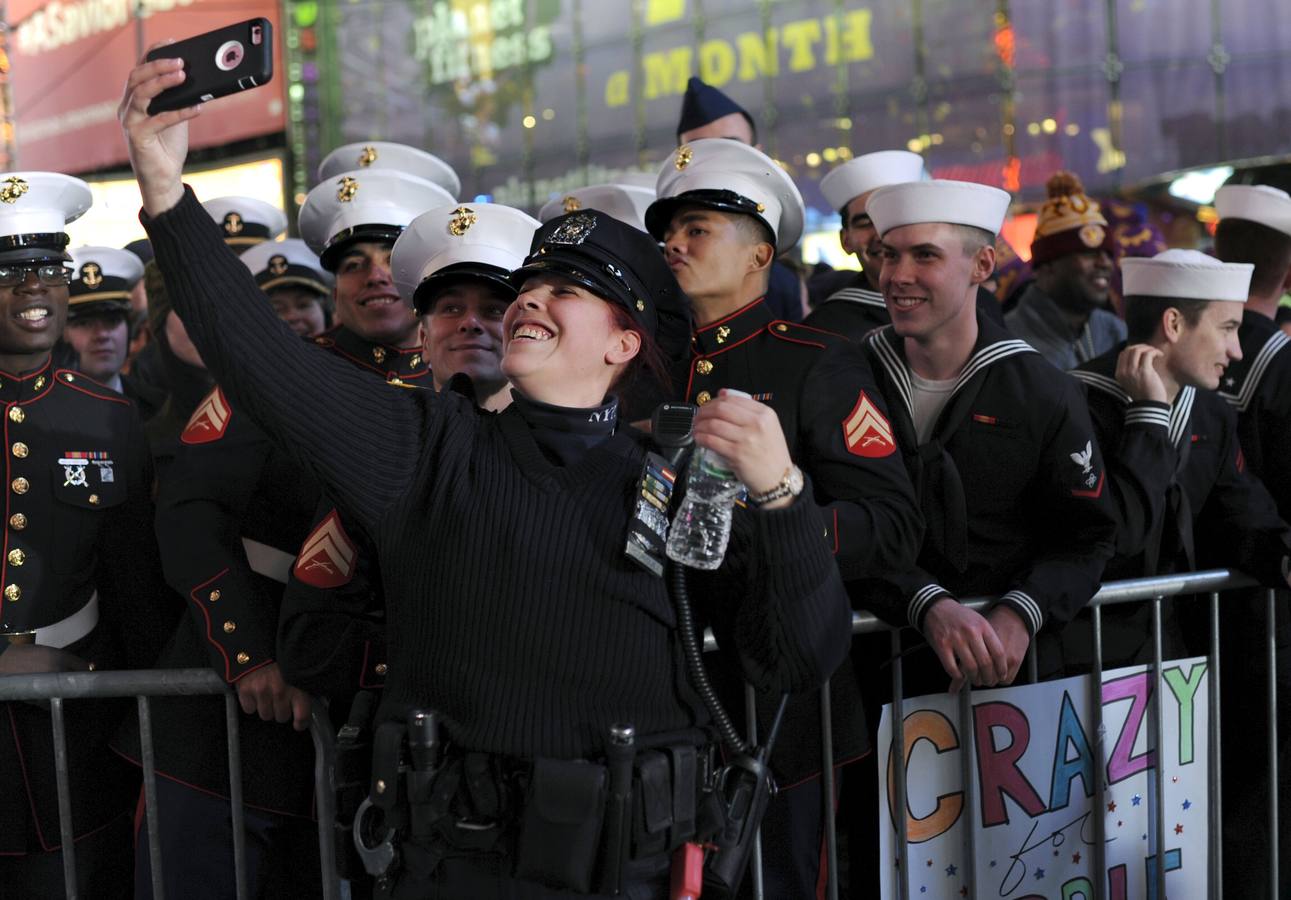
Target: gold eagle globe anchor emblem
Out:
[462,219]
[12,188]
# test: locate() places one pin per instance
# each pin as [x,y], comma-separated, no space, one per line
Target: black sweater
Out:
[512,609]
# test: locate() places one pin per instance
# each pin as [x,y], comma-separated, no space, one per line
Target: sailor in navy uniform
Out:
[724,209]
[99,321]
[81,587]
[232,512]
[857,309]
[450,265]
[1255,227]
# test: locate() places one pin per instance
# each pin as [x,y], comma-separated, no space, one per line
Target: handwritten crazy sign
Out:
[1032,756]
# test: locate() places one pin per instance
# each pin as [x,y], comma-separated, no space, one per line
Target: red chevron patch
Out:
[866,431]
[209,421]
[327,558]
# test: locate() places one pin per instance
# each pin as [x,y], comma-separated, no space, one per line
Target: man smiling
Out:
[1065,312]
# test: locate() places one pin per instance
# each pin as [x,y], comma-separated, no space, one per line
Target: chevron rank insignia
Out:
[866,431]
[209,421]
[327,558]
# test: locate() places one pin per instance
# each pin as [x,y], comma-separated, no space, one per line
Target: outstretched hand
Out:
[158,145]
[747,434]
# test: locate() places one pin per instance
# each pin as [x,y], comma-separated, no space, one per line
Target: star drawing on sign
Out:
[951,870]
[1111,807]
[1039,873]
[1136,799]
[1075,857]
[1187,804]
[1178,829]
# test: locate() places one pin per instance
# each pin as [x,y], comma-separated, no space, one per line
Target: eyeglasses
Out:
[50,275]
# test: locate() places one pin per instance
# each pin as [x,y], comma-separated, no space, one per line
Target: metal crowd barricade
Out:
[56,687]
[1154,590]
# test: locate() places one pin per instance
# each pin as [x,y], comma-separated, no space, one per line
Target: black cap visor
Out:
[51,247]
[423,299]
[660,214]
[339,243]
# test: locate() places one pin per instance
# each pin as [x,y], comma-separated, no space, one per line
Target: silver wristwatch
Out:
[790,486]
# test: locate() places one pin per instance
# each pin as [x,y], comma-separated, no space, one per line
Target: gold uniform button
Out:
[230,626]
[20,450]
[40,382]
[16,414]
[380,668]
[94,499]
[20,485]
[381,786]
[13,593]
[17,521]
[244,658]
[782,327]
[215,595]
[703,367]
[394,379]
[703,397]
[17,557]
[379,354]
[69,378]
[415,361]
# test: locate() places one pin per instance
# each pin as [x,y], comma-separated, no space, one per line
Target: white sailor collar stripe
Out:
[857,295]
[1255,374]
[1180,411]
[899,372]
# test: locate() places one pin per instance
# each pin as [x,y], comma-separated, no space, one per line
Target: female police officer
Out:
[513,611]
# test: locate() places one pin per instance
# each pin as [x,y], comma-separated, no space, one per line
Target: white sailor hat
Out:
[35,208]
[1185,275]
[1260,203]
[287,263]
[952,202]
[484,240]
[246,221]
[102,278]
[726,175]
[387,155]
[625,202]
[363,205]
[863,174]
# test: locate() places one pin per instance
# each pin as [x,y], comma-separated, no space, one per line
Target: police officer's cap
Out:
[288,263]
[246,221]
[859,176]
[951,202]
[1185,274]
[732,177]
[102,279]
[35,208]
[388,155]
[704,103]
[626,202]
[618,263]
[456,242]
[364,205]
[1262,204]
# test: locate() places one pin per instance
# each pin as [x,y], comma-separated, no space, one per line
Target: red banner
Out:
[68,65]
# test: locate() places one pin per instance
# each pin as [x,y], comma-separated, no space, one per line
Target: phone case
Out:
[221,62]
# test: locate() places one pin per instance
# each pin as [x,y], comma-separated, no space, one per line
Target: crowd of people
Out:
[406,463]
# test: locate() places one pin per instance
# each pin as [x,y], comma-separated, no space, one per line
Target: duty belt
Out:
[63,633]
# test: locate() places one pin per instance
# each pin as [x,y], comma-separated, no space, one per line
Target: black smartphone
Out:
[218,63]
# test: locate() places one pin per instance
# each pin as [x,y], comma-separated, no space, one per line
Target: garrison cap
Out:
[952,202]
[732,177]
[863,174]
[618,263]
[1187,275]
[704,103]
[287,263]
[246,221]
[626,202]
[35,208]
[458,241]
[387,155]
[102,279]
[1261,204]
[364,205]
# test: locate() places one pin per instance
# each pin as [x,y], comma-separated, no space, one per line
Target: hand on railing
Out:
[967,645]
[265,693]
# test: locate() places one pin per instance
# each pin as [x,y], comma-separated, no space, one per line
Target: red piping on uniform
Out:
[792,340]
[192,595]
[743,309]
[75,387]
[207,791]
[363,672]
[835,512]
[837,766]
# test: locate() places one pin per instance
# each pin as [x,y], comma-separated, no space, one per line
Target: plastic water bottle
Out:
[702,527]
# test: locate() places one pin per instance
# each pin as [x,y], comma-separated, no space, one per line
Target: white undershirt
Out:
[929,400]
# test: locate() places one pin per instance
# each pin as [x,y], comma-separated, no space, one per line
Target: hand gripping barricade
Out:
[573,824]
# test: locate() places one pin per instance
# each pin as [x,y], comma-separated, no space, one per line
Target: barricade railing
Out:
[1154,590]
[57,687]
